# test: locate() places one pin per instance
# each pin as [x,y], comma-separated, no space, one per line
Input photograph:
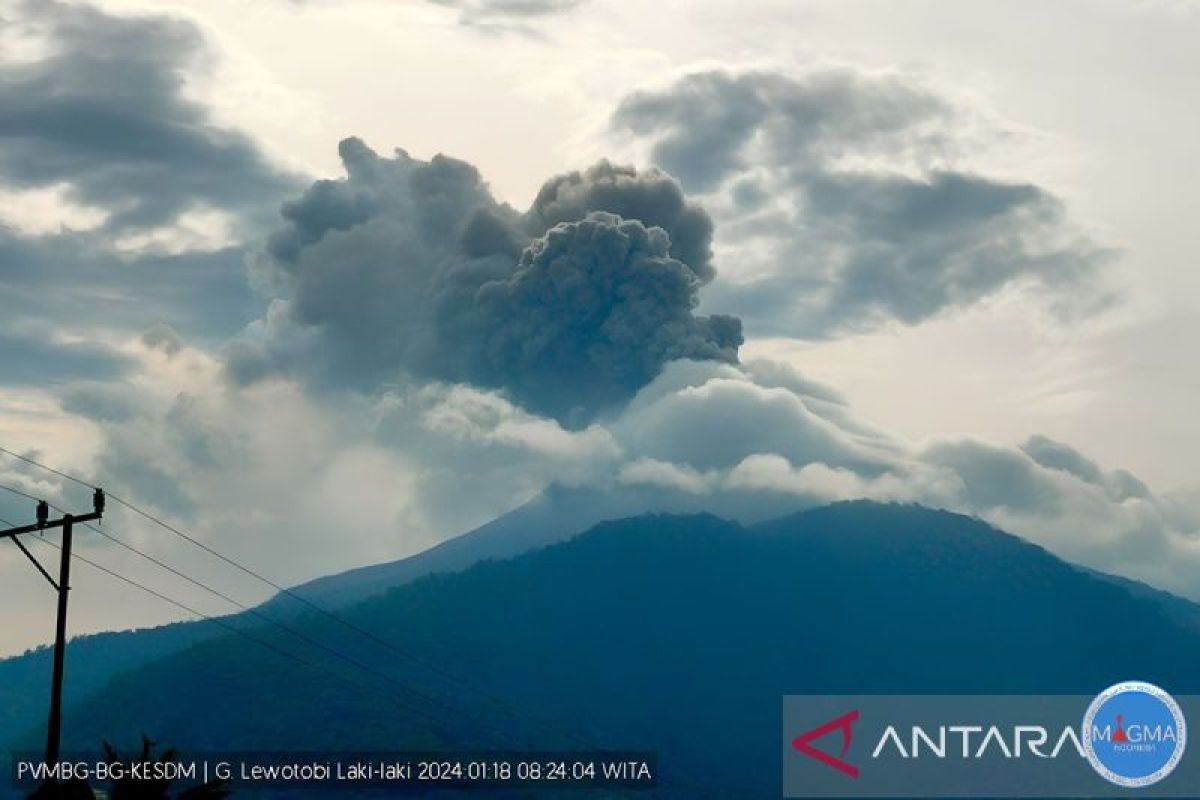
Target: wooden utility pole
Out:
[62,586]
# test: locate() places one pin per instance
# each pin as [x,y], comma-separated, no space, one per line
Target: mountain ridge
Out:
[680,633]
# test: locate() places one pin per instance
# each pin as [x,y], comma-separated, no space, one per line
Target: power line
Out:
[204,617]
[158,563]
[282,589]
[20,493]
[484,693]
[254,612]
[293,595]
[31,462]
[413,692]
[228,627]
[252,573]
[263,643]
[268,620]
[172,601]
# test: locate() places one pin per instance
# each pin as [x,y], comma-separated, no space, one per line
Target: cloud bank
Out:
[757,439]
[429,357]
[838,196]
[105,112]
[143,199]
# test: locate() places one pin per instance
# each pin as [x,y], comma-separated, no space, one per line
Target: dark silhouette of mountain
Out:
[93,660]
[1180,609]
[677,634]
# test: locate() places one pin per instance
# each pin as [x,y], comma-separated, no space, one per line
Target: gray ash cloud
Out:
[412,268]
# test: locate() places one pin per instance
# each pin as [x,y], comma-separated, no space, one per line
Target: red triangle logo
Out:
[842,723]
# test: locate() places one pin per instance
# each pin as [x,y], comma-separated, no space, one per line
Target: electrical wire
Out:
[254,612]
[20,493]
[183,607]
[366,633]
[287,592]
[258,614]
[225,625]
[258,576]
[242,606]
[233,563]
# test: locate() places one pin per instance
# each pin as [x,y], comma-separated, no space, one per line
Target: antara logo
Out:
[803,743]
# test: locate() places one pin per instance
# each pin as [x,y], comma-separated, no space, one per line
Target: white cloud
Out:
[46,210]
[338,481]
[475,415]
[197,230]
[652,472]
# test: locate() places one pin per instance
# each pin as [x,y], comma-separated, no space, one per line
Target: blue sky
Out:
[357,276]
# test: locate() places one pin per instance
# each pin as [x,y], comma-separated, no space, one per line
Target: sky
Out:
[325,283]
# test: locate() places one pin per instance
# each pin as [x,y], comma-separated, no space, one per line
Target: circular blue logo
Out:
[1134,734]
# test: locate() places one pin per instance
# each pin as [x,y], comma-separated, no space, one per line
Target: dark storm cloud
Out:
[948,240]
[1021,479]
[110,402]
[702,126]
[829,188]
[28,359]
[101,111]
[1063,457]
[162,336]
[507,15]
[76,279]
[512,8]
[104,112]
[997,477]
[511,15]
[1119,484]
[412,267]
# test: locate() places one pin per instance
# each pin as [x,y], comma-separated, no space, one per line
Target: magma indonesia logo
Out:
[1134,734]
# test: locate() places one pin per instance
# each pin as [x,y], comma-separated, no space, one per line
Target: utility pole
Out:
[62,586]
